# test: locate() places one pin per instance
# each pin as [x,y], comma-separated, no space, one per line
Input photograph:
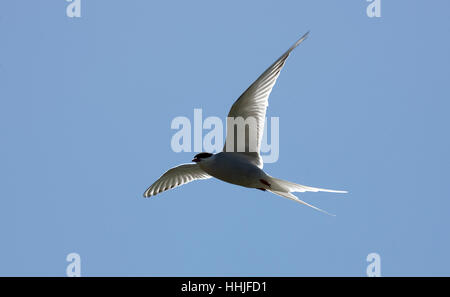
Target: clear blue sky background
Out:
[85,112]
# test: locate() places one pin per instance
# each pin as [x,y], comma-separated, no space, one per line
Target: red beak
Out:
[196,160]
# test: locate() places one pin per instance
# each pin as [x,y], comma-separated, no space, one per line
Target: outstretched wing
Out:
[175,177]
[253,103]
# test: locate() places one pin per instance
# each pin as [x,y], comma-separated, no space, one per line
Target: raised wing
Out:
[253,104]
[175,177]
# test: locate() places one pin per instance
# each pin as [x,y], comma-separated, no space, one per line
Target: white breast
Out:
[234,169]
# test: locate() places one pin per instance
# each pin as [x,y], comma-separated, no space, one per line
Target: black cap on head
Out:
[201,156]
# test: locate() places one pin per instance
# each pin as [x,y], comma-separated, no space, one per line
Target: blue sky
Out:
[85,111]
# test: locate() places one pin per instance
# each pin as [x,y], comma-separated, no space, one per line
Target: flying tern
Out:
[241,167]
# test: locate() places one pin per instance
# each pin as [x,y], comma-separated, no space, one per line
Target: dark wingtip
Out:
[298,42]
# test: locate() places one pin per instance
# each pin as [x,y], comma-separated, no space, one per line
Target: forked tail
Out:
[285,188]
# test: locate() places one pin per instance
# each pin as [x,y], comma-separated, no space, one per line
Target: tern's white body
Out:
[234,168]
[243,168]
